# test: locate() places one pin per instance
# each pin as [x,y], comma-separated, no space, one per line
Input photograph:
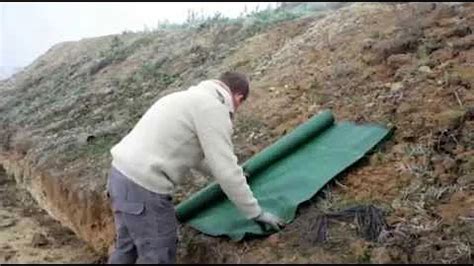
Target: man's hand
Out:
[270,219]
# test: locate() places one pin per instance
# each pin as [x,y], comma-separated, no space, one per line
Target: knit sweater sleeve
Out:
[204,168]
[214,130]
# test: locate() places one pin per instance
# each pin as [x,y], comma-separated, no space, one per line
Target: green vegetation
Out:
[255,21]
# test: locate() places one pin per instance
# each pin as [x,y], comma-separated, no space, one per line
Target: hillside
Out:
[405,65]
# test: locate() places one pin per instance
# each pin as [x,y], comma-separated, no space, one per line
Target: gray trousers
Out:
[145,222]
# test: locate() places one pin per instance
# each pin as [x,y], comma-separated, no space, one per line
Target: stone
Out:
[39,240]
[465,180]
[397,86]
[398,60]
[425,69]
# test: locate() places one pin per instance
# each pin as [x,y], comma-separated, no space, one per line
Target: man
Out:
[183,130]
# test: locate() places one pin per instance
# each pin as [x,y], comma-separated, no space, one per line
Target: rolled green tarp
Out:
[192,206]
[285,174]
[267,156]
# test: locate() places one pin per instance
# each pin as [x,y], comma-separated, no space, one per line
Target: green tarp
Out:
[285,174]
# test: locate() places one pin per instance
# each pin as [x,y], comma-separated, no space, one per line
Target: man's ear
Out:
[237,99]
[240,98]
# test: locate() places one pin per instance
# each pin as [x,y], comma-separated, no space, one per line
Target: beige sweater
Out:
[184,130]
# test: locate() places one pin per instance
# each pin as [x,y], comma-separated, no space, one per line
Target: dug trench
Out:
[30,235]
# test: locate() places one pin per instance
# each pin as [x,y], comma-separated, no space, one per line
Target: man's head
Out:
[238,84]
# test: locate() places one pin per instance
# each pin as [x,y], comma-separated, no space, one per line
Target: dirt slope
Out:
[408,65]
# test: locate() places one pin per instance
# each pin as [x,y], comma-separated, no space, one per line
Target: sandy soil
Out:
[29,235]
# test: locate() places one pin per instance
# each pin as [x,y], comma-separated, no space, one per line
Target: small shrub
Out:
[117,52]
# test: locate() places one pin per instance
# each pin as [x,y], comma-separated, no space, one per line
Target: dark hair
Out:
[238,83]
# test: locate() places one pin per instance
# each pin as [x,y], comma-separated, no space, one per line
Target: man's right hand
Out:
[270,219]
